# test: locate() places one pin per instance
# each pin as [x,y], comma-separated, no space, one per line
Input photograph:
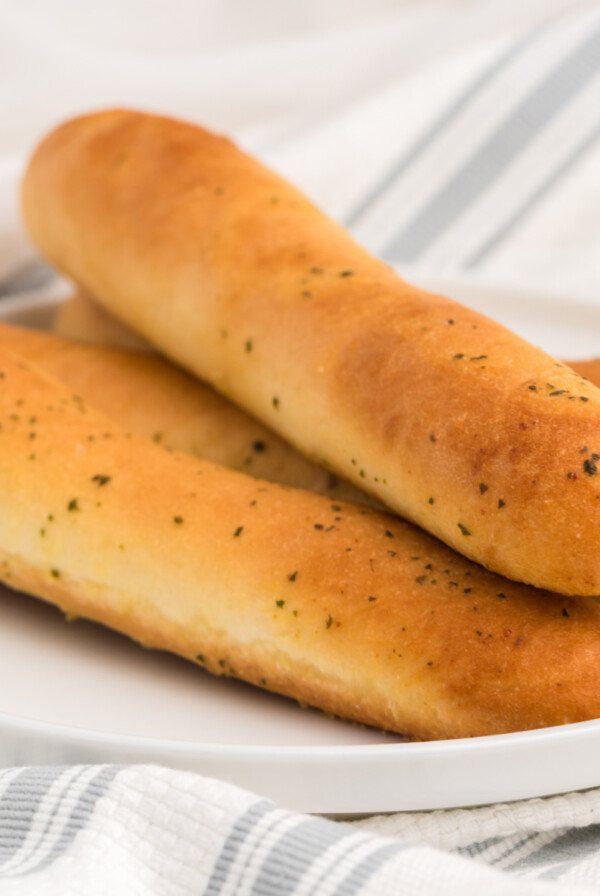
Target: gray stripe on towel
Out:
[438,127]
[294,853]
[568,849]
[79,814]
[19,804]
[496,239]
[475,849]
[50,816]
[501,148]
[242,827]
[516,844]
[358,876]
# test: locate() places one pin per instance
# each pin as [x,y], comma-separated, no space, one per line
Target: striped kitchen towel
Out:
[151,830]
[477,156]
[485,164]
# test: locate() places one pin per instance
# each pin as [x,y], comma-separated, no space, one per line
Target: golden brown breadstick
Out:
[335,605]
[444,415]
[153,398]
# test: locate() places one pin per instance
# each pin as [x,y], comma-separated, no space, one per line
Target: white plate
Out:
[80,693]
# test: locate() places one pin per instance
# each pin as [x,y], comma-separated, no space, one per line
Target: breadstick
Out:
[159,401]
[444,415]
[335,605]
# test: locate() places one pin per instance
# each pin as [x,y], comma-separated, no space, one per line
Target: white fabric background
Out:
[306,85]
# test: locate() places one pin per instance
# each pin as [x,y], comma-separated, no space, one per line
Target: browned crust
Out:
[444,415]
[332,604]
[155,399]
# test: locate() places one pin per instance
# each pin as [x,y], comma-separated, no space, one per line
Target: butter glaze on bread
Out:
[337,606]
[445,416]
[153,398]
